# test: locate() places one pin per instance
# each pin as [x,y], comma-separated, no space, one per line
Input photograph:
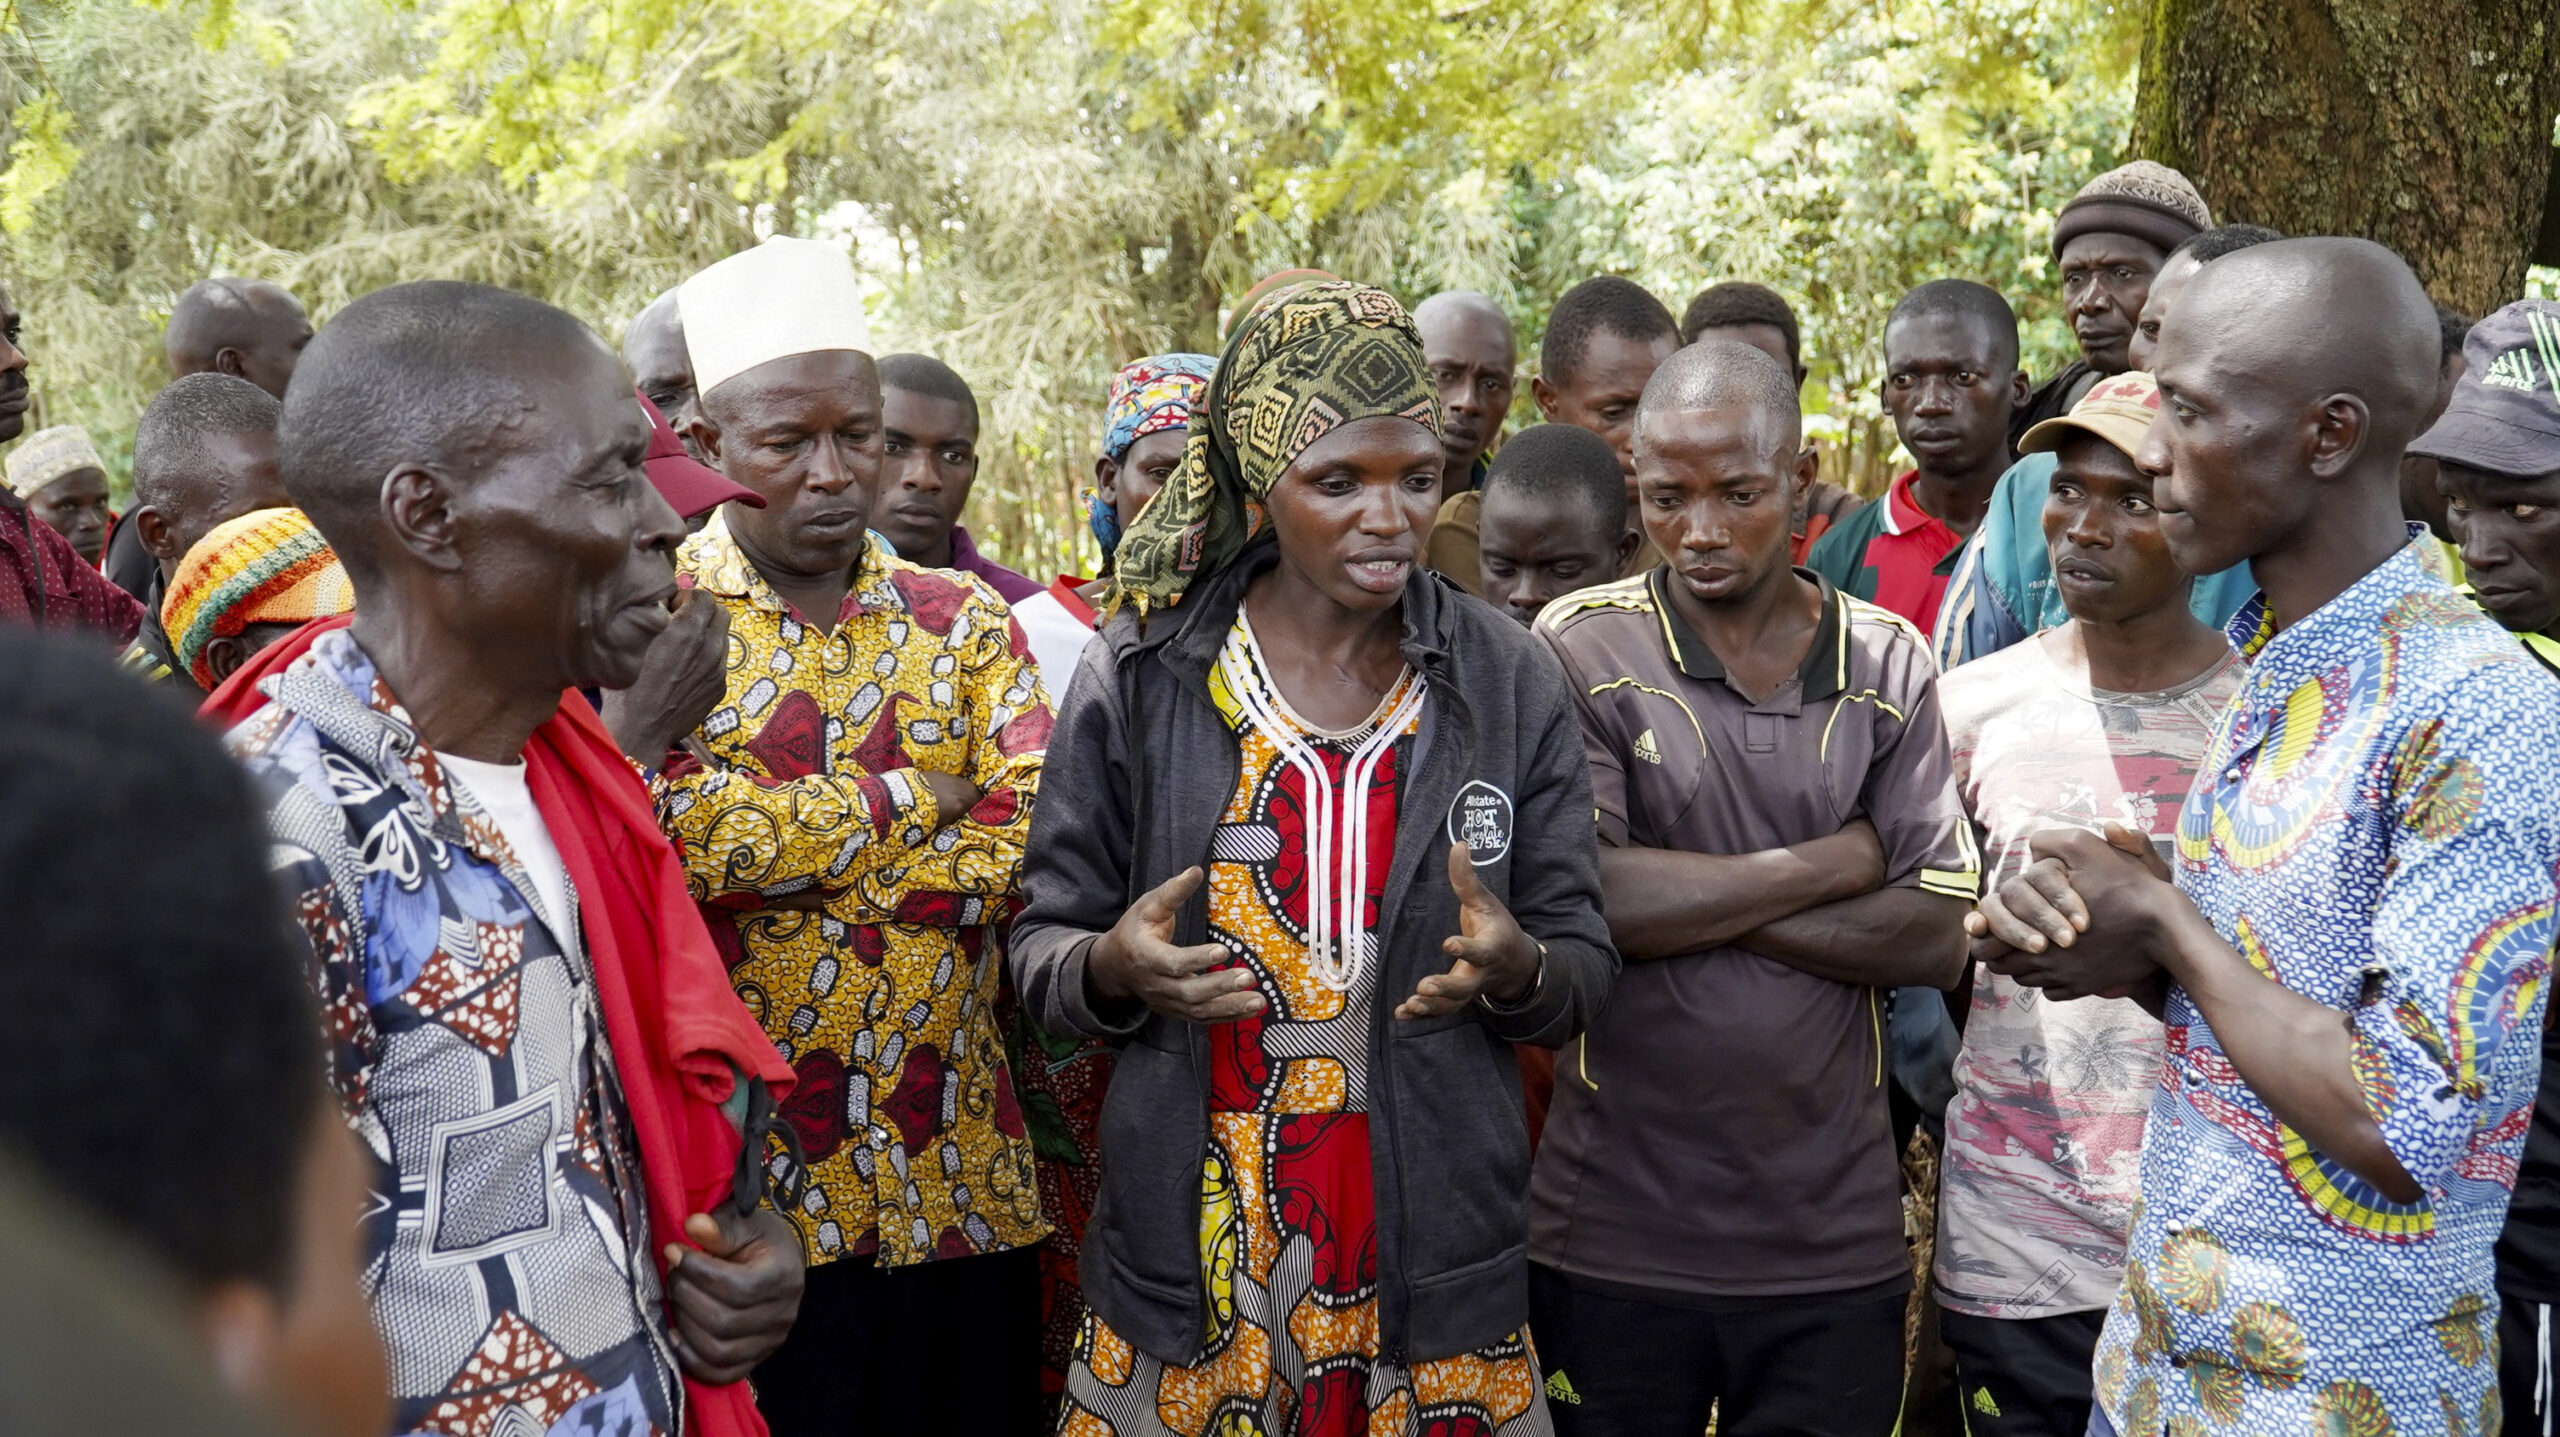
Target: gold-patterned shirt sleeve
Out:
[980,853]
[743,833]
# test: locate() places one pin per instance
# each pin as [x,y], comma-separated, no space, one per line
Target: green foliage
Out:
[241,159]
[40,159]
[1899,146]
[1039,190]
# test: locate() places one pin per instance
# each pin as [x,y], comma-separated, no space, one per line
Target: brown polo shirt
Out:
[1719,1135]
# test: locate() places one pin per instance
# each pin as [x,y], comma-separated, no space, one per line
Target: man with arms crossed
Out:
[852,814]
[1715,1213]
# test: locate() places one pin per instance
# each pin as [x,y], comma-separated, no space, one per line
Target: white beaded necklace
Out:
[1337,882]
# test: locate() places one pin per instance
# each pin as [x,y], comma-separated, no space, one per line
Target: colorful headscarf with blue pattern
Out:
[1148,396]
[1151,395]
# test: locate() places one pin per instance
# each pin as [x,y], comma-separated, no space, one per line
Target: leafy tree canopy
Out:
[1042,189]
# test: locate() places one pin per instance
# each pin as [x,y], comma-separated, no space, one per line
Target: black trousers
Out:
[947,1347]
[2523,1363]
[2024,1377]
[1620,1367]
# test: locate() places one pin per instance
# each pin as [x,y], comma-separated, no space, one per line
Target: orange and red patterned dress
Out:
[1288,1211]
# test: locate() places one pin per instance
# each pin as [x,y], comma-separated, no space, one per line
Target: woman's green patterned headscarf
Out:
[1309,359]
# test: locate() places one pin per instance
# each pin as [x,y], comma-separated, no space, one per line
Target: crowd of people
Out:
[559,891]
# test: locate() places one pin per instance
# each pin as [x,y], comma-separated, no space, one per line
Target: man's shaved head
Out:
[2292,376]
[1455,302]
[204,454]
[428,373]
[1719,463]
[252,329]
[477,459]
[1474,357]
[169,443]
[2310,317]
[1721,374]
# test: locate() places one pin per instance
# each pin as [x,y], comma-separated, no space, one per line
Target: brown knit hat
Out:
[2146,200]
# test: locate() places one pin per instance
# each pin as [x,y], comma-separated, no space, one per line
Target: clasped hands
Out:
[1138,959]
[2083,920]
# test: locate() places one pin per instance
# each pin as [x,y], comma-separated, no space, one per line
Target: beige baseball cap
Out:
[2116,409]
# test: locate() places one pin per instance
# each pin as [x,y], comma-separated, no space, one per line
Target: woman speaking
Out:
[1314,846]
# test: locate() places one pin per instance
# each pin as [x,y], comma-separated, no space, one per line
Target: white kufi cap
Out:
[50,454]
[784,297]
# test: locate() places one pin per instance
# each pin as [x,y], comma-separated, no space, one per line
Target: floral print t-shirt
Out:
[2044,1137]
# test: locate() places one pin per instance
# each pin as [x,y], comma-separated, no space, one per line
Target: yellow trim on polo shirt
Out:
[1627,594]
[1840,649]
[1841,701]
[1670,641]
[1964,883]
[1868,609]
[1641,686]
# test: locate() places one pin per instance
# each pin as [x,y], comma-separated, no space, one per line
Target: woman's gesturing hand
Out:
[1137,959]
[1495,959]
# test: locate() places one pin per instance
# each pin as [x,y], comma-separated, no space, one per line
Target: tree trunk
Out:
[2424,124]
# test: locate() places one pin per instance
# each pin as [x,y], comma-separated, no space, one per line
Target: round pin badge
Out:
[1480,818]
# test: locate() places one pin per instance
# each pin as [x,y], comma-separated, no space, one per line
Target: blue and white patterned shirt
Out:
[508,1261]
[2376,825]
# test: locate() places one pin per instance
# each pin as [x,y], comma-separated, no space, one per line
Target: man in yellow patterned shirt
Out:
[852,816]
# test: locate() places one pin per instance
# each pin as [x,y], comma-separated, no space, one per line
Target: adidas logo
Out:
[1560,1389]
[2513,370]
[2546,342]
[1647,749]
[1983,1404]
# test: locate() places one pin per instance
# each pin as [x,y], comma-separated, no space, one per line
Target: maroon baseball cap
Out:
[688,485]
